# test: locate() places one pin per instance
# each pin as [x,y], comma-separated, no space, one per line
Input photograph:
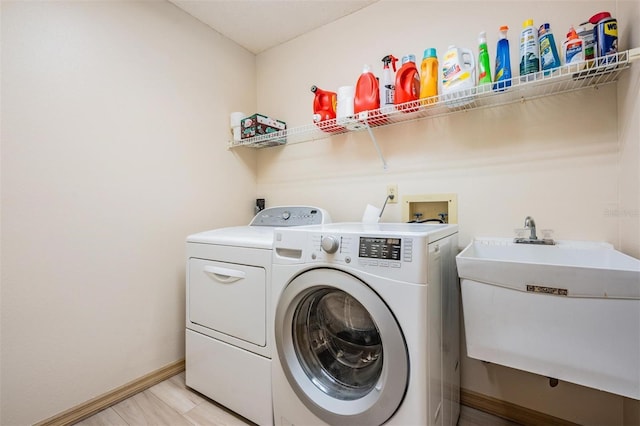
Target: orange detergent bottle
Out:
[429,77]
[367,96]
[407,84]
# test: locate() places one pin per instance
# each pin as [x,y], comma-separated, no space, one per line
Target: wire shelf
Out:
[564,79]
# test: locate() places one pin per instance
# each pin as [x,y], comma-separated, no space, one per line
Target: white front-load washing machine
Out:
[366,325]
[229,320]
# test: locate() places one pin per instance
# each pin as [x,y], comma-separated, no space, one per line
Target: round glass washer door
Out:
[341,348]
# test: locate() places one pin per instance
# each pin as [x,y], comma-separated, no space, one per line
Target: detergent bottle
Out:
[529,51]
[429,76]
[388,83]
[458,77]
[573,48]
[407,83]
[585,32]
[324,107]
[484,69]
[549,58]
[502,77]
[367,95]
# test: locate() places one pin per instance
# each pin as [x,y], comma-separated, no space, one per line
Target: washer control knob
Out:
[286,215]
[330,244]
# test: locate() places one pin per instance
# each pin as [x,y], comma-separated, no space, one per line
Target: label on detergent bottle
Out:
[574,53]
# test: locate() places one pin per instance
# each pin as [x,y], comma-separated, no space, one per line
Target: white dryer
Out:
[366,325]
[229,320]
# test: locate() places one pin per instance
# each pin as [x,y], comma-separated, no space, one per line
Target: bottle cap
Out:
[544,28]
[581,29]
[599,17]
[504,28]
[408,58]
[366,68]
[430,53]
[482,38]
[527,23]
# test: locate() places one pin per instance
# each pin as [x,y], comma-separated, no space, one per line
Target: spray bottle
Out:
[387,84]
[484,69]
[503,62]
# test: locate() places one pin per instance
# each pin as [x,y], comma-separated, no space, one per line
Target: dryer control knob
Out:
[286,215]
[330,244]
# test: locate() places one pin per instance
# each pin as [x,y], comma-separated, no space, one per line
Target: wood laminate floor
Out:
[171,403]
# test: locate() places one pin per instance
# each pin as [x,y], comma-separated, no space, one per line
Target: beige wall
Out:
[629,136]
[114,125]
[114,131]
[559,159]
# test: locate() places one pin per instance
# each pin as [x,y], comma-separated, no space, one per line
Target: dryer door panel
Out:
[228,298]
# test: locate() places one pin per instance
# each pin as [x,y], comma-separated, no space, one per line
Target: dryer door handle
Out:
[224,275]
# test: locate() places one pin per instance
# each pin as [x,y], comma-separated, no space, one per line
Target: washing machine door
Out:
[341,348]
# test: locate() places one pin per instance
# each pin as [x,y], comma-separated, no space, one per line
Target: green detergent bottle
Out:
[484,68]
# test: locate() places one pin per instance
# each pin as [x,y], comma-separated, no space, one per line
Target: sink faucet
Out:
[530,224]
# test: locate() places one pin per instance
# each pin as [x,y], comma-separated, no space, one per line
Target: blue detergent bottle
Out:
[503,62]
[549,58]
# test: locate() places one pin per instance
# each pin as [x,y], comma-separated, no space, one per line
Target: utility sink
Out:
[573,268]
[570,311]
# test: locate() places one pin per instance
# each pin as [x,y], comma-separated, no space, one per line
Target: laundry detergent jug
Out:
[407,85]
[324,109]
[458,77]
[367,93]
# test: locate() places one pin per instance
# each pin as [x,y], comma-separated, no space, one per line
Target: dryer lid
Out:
[260,237]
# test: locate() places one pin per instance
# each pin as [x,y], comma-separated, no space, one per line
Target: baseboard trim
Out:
[99,403]
[509,411]
[497,407]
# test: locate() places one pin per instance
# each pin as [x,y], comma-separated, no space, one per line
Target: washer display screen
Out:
[380,248]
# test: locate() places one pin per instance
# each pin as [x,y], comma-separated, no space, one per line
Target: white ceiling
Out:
[258,25]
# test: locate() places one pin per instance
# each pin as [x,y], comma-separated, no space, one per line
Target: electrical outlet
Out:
[392,190]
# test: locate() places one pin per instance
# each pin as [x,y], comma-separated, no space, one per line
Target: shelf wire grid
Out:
[564,79]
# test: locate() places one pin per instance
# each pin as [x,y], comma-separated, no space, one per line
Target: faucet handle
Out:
[547,234]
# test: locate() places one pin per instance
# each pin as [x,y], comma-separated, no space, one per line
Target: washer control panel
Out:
[385,252]
[396,251]
[291,216]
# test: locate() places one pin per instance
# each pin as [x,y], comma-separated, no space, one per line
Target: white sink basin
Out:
[583,269]
[569,311]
